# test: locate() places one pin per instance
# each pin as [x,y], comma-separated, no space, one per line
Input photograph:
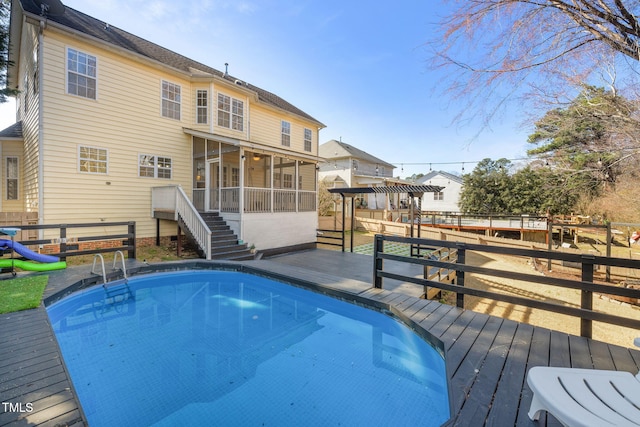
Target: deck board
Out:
[487,358]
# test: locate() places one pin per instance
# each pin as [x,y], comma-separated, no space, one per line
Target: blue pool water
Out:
[221,348]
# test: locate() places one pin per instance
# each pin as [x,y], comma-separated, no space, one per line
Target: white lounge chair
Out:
[585,397]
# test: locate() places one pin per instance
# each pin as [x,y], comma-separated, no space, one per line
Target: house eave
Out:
[254,146]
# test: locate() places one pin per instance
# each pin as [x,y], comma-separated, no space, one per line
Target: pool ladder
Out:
[117,290]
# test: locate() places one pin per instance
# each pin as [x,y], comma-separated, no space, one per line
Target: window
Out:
[170,100]
[154,166]
[438,195]
[286,134]
[287,180]
[307,139]
[230,112]
[202,107]
[235,177]
[12,178]
[81,74]
[93,160]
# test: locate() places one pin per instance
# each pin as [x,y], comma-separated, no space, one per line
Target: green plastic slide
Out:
[32,266]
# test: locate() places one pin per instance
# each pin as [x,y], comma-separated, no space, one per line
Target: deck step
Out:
[224,242]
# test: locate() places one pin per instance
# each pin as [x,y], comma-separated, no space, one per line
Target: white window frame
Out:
[308,139]
[85,69]
[155,166]
[230,112]
[285,133]
[202,106]
[438,195]
[171,96]
[9,178]
[96,157]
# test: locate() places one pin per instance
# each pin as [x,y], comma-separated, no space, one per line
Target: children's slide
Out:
[49,262]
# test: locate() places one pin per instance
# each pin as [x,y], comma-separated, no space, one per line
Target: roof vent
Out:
[226,69]
[50,7]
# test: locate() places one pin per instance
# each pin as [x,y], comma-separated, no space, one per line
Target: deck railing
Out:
[584,310]
[230,199]
[306,201]
[257,200]
[284,200]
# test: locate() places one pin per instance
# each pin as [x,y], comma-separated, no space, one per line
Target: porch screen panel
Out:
[230,192]
[284,185]
[199,172]
[306,186]
[257,182]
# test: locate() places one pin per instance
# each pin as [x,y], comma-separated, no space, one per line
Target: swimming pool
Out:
[230,348]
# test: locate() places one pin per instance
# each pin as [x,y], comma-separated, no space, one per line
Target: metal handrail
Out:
[93,268]
[115,260]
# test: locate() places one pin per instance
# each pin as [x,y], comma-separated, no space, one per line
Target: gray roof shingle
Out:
[85,24]
[13,131]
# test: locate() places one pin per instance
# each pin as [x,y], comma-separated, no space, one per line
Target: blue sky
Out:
[360,68]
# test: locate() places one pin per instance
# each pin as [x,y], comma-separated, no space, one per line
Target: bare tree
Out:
[496,50]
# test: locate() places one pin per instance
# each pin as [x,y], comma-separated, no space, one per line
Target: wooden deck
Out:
[487,357]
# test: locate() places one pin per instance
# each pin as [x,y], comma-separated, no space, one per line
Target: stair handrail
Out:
[193,221]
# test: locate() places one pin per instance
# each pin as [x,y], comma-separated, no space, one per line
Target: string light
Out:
[545,158]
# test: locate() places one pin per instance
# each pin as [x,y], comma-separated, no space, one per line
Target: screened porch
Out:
[232,178]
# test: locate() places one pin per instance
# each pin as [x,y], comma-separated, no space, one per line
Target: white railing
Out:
[230,199]
[183,209]
[306,201]
[257,200]
[284,200]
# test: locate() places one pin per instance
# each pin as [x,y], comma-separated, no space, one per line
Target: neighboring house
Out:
[446,200]
[105,119]
[347,166]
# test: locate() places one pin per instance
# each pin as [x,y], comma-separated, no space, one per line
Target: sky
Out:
[359,68]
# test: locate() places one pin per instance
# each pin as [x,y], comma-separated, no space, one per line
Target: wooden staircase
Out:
[224,243]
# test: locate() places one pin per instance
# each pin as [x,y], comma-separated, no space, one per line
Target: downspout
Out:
[41,126]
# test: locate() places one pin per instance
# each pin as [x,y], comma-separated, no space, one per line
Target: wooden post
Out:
[586,297]
[63,241]
[549,242]
[377,262]
[344,219]
[460,274]
[353,220]
[609,241]
[132,240]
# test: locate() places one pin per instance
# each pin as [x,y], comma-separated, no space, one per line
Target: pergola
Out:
[413,191]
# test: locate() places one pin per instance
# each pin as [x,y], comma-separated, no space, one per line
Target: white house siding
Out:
[126,120]
[29,117]
[451,195]
[271,230]
[266,129]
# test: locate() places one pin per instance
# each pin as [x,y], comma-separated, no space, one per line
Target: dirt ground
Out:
[601,331]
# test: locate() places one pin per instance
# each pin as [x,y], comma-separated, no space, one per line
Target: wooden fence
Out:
[585,285]
[122,238]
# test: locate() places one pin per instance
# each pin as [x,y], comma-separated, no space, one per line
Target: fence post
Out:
[132,240]
[460,274]
[63,241]
[377,262]
[609,241]
[586,297]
